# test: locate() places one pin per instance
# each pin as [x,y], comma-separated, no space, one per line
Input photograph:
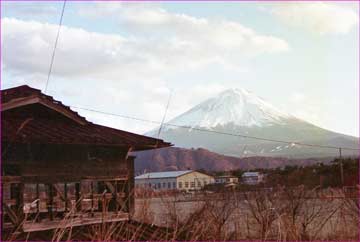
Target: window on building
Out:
[192,184]
[186,184]
[164,185]
[169,185]
[199,183]
[174,185]
[180,184]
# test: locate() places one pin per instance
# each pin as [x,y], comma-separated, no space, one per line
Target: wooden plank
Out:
[77,220]
[99,178]
[56,178]
[11,179]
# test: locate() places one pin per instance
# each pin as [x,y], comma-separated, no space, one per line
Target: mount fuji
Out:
[238,111]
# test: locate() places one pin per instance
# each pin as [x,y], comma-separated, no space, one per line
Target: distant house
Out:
[227,179]
[252,178]
[173,180]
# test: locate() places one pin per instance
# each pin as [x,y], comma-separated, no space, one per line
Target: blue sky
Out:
[127,57]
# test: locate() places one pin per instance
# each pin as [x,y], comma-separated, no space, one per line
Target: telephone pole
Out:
[341,168]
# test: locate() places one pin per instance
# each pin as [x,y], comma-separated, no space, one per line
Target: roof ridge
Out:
[24,95]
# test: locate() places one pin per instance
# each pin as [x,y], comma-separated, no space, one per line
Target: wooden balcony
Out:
[75,220]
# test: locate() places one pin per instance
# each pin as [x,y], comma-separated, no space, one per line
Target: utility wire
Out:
[293,143]
[163,120]
[55,46]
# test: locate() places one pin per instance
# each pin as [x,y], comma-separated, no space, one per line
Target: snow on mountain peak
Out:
[233,106]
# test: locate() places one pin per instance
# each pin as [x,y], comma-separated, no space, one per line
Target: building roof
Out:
[225,176]
[71,128]
[251,173]
[164,174]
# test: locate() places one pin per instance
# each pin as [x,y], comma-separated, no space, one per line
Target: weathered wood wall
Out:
[64,163]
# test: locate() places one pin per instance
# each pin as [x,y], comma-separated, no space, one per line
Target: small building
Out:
[252,178]
[227,179]
[173,180]
[56,165]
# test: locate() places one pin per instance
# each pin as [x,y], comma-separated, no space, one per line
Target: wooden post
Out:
[92,198]
[38,202]
[115,197]
[77,196]
[50,201]
[129,189]
[66,197]
[20,201]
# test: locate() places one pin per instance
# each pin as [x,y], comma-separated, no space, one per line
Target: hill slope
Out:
[167,159]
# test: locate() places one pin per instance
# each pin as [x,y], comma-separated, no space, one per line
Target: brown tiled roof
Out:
[58,131]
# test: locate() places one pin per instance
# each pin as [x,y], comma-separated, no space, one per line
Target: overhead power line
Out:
[216,132]
[55,46]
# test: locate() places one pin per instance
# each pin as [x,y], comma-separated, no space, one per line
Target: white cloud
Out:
[129,74]
[317,17]
[28,46]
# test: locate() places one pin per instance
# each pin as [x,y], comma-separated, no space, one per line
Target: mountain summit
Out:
[238,111]
[233,106]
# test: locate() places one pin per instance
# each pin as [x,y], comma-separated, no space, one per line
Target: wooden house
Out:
[60,170]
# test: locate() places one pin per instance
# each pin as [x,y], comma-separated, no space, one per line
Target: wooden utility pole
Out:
[341,168]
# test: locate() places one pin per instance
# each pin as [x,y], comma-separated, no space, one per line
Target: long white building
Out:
[171,180]
[252,178]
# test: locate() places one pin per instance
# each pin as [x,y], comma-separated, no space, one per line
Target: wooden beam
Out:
[65,178]
[11,179]
[54,105]
[18,102]
[68,113]
[128,152]
[12,215]
[97,178]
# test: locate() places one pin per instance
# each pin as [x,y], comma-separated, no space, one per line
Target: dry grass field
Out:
[280,214]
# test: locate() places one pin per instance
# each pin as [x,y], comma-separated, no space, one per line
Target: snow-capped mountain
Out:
[238,111]
[233,106]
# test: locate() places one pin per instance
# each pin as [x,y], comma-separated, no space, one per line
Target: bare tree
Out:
[264,208]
